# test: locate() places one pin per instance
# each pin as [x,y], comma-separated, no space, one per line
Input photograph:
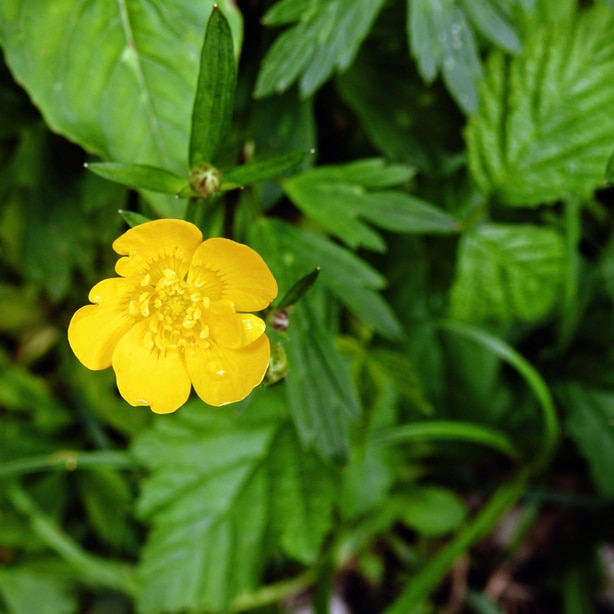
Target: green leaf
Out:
[321,395]
[213,104]
[347,277]
[545,128]
[226,489]
[135,106]
[590,423]
[132,218]
[337,198]
[299,289]
[140,176]
[434,511]
[261,170]
[441,38]
[326,37]
[24,589]
[494,20]
[320,392]
[506,272]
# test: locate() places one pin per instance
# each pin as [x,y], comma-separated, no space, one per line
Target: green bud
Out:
[205,179]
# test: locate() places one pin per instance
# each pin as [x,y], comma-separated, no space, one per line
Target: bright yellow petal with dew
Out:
[236,331]
[156,246]
[148,376]
[95,330]
[222,375]
[235,272]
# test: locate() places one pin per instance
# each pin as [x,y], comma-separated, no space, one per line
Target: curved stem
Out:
[68,460]
[446,430]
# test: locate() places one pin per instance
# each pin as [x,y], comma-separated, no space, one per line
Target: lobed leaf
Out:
[545,128]
[325,38]
[226,489]
[506,272]
[336,197]
[320,393]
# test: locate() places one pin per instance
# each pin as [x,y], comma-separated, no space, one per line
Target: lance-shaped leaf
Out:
[299,289]
[261,170]
[140,176]
[214,98]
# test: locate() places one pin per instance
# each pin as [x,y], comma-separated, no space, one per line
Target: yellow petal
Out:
[234,272]
[155,246]
[236,331]
[147,376]
[95,330]
[222,375]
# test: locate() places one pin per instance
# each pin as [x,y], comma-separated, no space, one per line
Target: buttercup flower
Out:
[178,317]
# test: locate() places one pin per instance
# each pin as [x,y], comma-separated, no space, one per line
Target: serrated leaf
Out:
[135,107]
[214,100]
[506,272]
[261,170]
[351,280]
[140,176]
[441,39]
[320,392]
[223,484]
[326,38]
[590,422]
[545,128]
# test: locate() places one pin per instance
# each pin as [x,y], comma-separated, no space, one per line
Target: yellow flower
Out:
[176,317]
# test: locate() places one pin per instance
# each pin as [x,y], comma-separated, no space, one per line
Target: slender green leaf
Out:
[506,272]
[140,176]
[135,106]
[299,289]
[545,128]
[325,38]
[132,218]
[214,100]
[261,170]
[226,489]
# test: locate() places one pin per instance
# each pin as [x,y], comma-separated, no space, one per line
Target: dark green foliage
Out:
[430,183]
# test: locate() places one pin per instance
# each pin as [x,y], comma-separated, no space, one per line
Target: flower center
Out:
[175,312]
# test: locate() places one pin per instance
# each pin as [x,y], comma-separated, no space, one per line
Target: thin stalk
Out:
[92,570]
[68,460]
